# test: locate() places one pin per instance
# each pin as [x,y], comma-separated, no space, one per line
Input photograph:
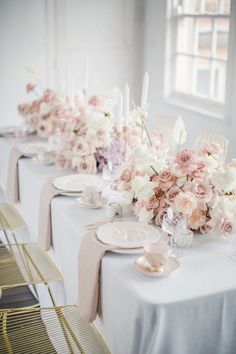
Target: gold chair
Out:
[208,137]
[48,330]
[33,329]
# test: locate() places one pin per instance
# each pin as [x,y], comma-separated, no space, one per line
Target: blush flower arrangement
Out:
[194,183]
[44,114]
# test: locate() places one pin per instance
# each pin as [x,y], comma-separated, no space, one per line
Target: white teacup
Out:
[91,196]
[157,253]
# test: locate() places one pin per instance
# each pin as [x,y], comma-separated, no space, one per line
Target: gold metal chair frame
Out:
[35,330]
[48,330]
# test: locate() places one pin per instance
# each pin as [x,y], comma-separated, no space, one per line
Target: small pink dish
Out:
[157,253]
[143,266]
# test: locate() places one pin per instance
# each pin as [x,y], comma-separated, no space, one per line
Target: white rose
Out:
[128,197]
[145,216]
[225,179]
[142,187]
[44,108]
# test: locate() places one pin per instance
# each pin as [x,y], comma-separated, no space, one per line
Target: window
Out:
[197,54]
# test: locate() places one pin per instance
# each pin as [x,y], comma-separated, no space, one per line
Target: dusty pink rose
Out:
[127,176]
[197,219]
[95,101]
[172,193]
[166,179]
[227,227]
[35,105]
[185,202]
[159,218]
[153,203]
[24,109]
[81,147]
[186,159]
[202,190]
[78,126]
[87,165]
[206,228]
[199,170]
[212,149]
[63,163]
[30,87]
[48,95]
[44,128]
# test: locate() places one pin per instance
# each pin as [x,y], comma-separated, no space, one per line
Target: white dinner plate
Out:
[127,234]
[144,267]
[32,149]
[77,183]
[9,130]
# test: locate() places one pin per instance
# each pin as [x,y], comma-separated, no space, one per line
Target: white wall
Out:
[53,35]
[154,61]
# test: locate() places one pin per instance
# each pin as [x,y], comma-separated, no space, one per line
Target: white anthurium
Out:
[179,132]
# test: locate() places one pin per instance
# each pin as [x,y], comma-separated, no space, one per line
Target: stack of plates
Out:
[128,236]
[8,131]
[32,149]
[74,185]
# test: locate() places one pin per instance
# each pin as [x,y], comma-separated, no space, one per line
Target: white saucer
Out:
[100,204]
[44,162]
[144,267]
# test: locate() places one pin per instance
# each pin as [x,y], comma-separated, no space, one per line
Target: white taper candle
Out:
[145,91]
[126,105]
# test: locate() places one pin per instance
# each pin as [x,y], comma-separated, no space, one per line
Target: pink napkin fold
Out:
[12,192]
[48,192]
[90,256]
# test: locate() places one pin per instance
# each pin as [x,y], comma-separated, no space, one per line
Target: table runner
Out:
[12,192]
[90,256]
[48,192]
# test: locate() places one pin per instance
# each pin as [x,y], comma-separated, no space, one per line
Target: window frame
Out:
[190,102]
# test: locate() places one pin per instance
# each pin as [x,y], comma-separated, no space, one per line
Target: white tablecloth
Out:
[191,312]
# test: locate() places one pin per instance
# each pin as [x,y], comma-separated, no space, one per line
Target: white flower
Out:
[98,129]
[225,207]
[225,180]
[144,215]
[179,132]
[44,108]
[111,98]
[142,187]
[210,163]
[144,157]
[128,197]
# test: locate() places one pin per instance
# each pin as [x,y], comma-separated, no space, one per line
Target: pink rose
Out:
[95,101]
[153,203]
[227,227]
[30,87]
[199,170]
[81,147]
[63,163]
[87,164]
[127,176]
[165,176]
[159,218]
[24,109]
[172,193]
[206,228]
[44,128]
[202,190]
[186,159]
[185,202]
[138,206]
[212,149]
[48,95]
[197,219]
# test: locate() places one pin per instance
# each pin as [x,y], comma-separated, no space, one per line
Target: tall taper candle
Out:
[126,105]
[145,91]
[119,114]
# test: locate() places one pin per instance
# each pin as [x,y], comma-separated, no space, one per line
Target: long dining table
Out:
[193,311]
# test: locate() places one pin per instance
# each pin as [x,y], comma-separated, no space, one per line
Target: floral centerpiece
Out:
[91,138]
[196,184]
[43,115]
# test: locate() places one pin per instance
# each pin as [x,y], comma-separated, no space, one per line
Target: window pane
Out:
[219,71]
[204,36]
[211,6]
[185,35]
[222,34]
[192,6]
[201,73]
[226,6]
[183,74]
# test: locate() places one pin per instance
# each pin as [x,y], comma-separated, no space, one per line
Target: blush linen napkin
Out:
[48,192]
[90,256]
[13,194]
